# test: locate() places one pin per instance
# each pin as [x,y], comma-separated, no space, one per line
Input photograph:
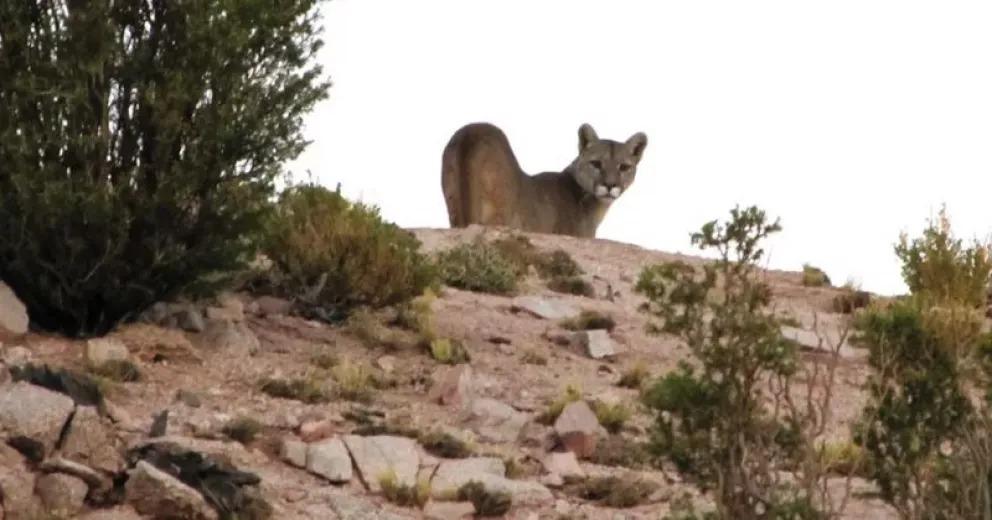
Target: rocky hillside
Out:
[235,408]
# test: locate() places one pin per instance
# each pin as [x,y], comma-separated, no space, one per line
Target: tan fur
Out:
[484,184]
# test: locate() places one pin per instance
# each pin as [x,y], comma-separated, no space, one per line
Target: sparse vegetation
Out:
[843,458]
[449,351]
[355,381]
[368,327]
[618,492]
[850,300]
[308,390]
[533,357]
[445,445]
[612,416]
[570,395]
[418,316]
[242,429]
[136,165]
[575,285]
[590,320]
[117,370]
[487,504]
[621,452]
[405,495]
[333,255]
[478,266]
[635,377]
[324,360]
[815,277]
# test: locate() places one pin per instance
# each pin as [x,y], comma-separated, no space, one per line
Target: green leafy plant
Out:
[333,255]
[612,416]
[140,145]
[449,351]
[480,267]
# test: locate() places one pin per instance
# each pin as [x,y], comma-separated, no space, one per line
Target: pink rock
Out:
[578,429]
[453,386]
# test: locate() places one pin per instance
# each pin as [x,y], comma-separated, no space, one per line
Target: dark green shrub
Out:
[590,320]
[487,504]
[334,255]
[618,492]
[445,445]
[139,144]
[306,390]
[243,429]
[480,267]
[575,285]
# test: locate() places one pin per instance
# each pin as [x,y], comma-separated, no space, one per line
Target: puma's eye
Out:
[596,164]
[624,167]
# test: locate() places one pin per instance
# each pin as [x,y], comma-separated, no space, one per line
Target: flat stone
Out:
[495,421]
[116,513]
[597,343]
[13,314]
[228,336]
[545,308]
[157,494]
[89,441]
[449,510]
[103,350]
[564,464]
[380,456]
[489,472]
[62,495]
[34,413]
[270,305]
[294,452]
[578,429]
[329,459]
[154,344]
[452,386]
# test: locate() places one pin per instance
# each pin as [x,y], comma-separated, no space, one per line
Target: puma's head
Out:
[606,168]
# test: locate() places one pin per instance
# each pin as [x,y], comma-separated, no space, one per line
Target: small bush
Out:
[334,255]
[815,277]
[449,351]
[590,320]
[418,316]
[405,495]
[843,458]
[445,445]
[613,417]
[556,265]
[614,492]
[118,371]
[575,285]
[242,429]
[479,267]
[533,357]
[324,360]
[487,504]
[354,381]
[306,390]
[618,451]
[570,395]
[635,377]
[851,300]
[369,329]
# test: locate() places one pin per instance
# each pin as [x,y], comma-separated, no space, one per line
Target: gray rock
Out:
[188,318]
[329,459]
[89,440]
[62,495]
[489,472]
[13,314]
[34,413]
[452,386]
[97,482]
[578,429]
[229,336]
[102,350]
[449,510]
[380,456]
[294,452]
[17,484]
[495,421]
[563,464]
[597,343]
[348,506]
[545,308]
[157,494]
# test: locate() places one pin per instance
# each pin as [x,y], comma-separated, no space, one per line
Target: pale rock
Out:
[13,314]
[329,459]
[270,305]
[159,495]
[495,421]
[490,472]
[379,456]
[315,430]
[34,413]
[453,386]
[597,343]
[578,429]
[17,484]
[449,510]
[294,452]
[62,495]
[90,441]
[100,351]
[564,464]
[545,308]
[227,336]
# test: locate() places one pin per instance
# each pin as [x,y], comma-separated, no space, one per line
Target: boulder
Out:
[449,510]
[228,336]
[188,318]
[317,429]
[17,484]
[13,314]
[62,495]
[329,459]
[578,429]
[563,464]
[270,305]
[545,308]
[90,441]
[490,472]
[294,452]
[495,421]
[33,415]
[383,455]
[103,350]
[452,386]
[597,343]
[158,495]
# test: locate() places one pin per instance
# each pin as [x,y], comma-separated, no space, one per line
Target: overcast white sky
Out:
[850,120]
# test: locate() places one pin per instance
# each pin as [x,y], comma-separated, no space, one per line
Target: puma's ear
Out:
[636,144]
[587,136]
